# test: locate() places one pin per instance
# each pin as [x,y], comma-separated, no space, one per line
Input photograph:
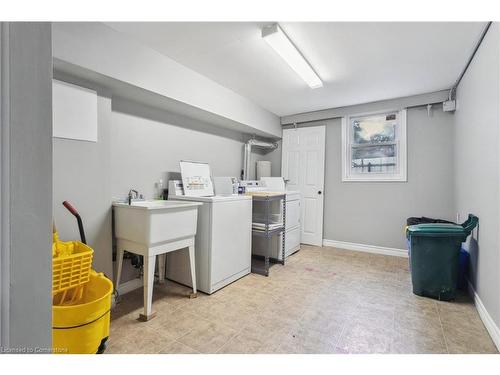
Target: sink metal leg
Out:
[120,266]
[161,268]
[193,271]
[149,274]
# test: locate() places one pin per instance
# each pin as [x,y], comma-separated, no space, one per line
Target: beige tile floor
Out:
[324,300]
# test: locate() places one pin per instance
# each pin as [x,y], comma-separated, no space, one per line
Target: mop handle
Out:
[78,219]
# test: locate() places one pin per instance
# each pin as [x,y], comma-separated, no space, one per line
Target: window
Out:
[374,146]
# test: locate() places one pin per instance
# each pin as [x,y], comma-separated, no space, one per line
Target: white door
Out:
[303,164]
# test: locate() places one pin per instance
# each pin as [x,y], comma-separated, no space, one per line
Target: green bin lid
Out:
[436,228]
[443,230]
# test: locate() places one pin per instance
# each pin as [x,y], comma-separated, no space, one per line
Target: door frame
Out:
[4,185]
[25,52]
[322,221]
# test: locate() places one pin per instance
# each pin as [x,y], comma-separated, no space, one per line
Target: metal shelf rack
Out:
[261,263]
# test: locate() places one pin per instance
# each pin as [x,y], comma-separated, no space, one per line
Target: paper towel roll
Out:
[263,169]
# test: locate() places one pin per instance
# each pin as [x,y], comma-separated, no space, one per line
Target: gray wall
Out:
[374,213]
[82,177]
[274,157]
[146,144]
[477,172]
[137,145]
[26,106]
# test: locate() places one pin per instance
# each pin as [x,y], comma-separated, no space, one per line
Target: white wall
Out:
[476,123]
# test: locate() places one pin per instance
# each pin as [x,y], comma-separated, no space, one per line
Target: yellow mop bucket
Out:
[83,327]
[71,266]
[81,297]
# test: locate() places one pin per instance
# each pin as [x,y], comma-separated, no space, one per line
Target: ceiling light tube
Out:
[280,42]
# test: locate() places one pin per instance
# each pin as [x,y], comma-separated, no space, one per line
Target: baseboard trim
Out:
[129,286]
[488,321]
[366,248]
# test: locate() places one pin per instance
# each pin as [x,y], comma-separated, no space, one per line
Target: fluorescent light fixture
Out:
[280,42]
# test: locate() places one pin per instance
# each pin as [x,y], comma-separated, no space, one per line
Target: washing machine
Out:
[223,244]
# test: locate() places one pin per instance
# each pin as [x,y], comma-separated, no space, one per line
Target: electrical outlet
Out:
[458,217]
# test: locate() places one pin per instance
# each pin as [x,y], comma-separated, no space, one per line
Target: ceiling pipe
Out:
[453,90]
[262,144]
[248,151]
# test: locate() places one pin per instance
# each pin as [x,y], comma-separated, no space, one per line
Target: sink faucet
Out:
[132,194]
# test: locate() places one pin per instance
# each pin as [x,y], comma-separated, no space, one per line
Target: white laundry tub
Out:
[156,221]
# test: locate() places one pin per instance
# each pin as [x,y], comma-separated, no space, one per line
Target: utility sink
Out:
[153,222]
[151,229]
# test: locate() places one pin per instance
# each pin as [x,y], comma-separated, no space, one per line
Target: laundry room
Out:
[250,187]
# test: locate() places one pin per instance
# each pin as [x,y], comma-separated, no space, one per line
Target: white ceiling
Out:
[358,62]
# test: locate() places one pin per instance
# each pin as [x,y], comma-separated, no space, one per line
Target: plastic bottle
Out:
[160,189]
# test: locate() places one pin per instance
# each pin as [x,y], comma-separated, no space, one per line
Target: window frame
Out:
[401,150]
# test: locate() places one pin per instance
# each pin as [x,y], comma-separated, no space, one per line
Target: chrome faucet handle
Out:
[131,195]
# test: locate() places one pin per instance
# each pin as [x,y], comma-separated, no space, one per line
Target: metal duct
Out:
[248,151]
